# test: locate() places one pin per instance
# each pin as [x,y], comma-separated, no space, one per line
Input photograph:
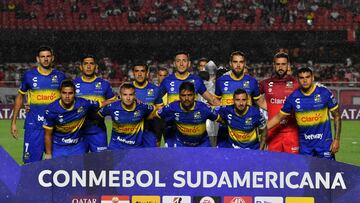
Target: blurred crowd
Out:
[191,12]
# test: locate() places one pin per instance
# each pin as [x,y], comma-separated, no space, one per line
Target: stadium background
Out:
[318,33]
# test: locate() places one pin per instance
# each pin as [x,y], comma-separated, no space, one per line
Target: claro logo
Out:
[309,119]
[42,97]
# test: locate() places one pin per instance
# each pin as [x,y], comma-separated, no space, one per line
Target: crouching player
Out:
[243,122]
[127,119]
[63,122]
[189,117]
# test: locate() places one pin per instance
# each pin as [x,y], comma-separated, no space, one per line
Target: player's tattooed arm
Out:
[335,145]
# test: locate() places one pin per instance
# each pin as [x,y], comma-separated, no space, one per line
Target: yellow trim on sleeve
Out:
[334,108]
[284,113]
[21,92]
[256,98]
[157,114]
[218,118]
[100,114]
[47,127]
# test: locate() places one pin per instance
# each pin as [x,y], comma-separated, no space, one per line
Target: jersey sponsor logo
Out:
[192,129]
[123,140]
[232,199]
[71,126]
[297,101]
[46,97]
[84,199]
[313,136]
[269,200]
[242,136]
[40,118]
[277,101]
[176,199]
[128,128]
[70,140]
[145,199]
[311,119]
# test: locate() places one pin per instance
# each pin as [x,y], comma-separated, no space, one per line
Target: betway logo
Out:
[70,141]
[313,136]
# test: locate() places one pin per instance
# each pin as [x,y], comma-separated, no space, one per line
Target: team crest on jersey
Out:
[61,119]
[192,81]
[98,85]
[317,98]
[54,79]
[150,92]
[197,115]
[246,84]
[289,84]
[81,109]
[248,121]
[137,113]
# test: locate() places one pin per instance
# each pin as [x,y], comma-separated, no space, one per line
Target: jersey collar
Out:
[63,106]
[310,92]
[243,113]
[88,80]
[182,77]
[234,77]
[140,86]
[42,72]
[126,109]
[191,109]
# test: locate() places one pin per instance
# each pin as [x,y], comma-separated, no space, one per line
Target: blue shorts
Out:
[96,142]
[68,150]
[169,135]
[320,149]
[149,139]
[33,145]
[222,137]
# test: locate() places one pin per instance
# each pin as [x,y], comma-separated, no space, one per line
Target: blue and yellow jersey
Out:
[67,123]
[190,125]
[171,84]
[242,128]
[312,112]
[98,90]
[42,89]
[148,93]
[127,125]
[227,84]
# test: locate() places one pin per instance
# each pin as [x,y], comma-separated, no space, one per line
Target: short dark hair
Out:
[240,91]
[187,86]
[282,55]
[203,59]
[237,53]
[127,85]
[85,56]
[140,63]
[304,70]
[163,69]
[182,52]
[67,83]
[45,48]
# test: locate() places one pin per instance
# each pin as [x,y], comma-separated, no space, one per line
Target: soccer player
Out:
[148,92]
[311,104]
[189,117]
[227,84]
[42,87]
[127,119]
[242,121]
[64,119]
[170,86]
[284,137]
[161,74]
[91,87]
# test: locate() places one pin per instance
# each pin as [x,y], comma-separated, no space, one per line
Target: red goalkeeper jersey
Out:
[276,90]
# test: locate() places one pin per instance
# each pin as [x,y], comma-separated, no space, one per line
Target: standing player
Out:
[283,137]
[64,119]
[90,87]
[228,83]
[189,117]
[127,119]
[148,93]
[42,87]
[170,86]
[161,74]
[311,104]
[242,122]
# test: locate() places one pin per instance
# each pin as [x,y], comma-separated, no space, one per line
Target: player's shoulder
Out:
[224,77]
[57,72]
[152,85]
[254,110]
[53,105]
[249,77]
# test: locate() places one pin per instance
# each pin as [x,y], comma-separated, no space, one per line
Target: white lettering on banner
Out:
[7,113]
[313,136]
[201,179]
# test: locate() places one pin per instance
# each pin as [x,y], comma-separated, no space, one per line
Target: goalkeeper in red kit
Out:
[284,137]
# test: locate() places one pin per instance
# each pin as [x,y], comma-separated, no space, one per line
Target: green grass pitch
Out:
[349,145]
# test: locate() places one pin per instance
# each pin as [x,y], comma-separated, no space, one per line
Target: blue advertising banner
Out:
[180,175]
